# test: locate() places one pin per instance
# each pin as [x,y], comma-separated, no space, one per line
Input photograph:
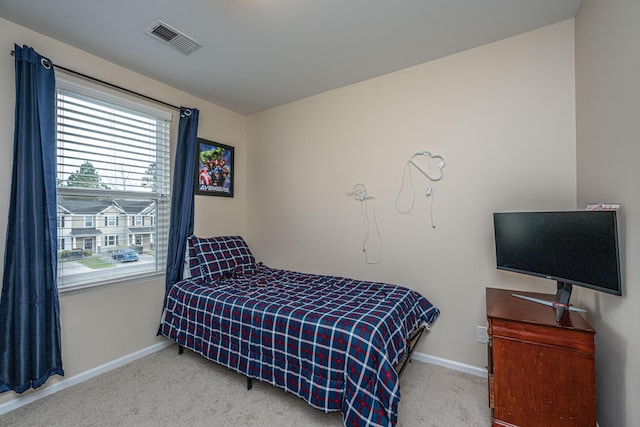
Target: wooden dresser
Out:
[541,372]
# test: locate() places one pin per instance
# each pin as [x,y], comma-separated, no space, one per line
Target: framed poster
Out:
[214,169]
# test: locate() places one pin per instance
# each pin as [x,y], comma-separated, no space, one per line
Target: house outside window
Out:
[112,163]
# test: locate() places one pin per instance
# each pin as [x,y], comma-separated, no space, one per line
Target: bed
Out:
[333,341]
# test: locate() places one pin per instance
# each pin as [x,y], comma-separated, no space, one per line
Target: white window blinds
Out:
[112,164]
[105,146]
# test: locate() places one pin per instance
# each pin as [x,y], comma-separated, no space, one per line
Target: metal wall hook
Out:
[429,191]
[433,156]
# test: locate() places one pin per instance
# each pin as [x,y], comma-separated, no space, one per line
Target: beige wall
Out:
[101,325]
[608,131]
[502,115]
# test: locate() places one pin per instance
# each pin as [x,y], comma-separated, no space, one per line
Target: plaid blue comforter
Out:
[330,340]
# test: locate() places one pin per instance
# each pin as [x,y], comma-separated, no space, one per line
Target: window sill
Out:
[130,280]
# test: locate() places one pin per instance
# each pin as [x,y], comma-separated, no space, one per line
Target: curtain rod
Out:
[97,80]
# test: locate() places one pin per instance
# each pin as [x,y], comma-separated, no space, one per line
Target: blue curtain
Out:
[181,225]
[30,348]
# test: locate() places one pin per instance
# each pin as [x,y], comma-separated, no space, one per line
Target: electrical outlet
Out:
[481,334]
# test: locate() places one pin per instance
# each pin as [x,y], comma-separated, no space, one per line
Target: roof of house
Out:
[85,232]
[131,207]
[95,207]
[83,206]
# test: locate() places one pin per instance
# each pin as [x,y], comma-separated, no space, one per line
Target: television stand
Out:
[540,372]
[560,302]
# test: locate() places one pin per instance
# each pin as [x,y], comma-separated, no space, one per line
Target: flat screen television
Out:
[571,247]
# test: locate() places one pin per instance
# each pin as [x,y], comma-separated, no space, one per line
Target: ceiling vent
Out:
[167,34]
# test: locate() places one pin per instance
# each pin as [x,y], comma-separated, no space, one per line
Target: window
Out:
[112,161]
[110,221]
[111,240]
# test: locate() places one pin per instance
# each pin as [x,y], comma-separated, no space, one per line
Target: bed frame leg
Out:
[249,383]
[413,343]
[180,349]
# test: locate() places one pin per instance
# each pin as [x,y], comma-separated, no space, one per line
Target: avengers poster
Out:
[214,169]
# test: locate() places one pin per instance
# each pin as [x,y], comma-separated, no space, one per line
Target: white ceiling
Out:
[259,54]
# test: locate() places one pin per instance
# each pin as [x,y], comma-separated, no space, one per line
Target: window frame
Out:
[160,198]
[111,221]
[110,240]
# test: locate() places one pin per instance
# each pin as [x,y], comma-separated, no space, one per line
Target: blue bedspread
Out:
[332,341]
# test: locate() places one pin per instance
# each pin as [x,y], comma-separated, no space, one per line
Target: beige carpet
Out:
[166,389]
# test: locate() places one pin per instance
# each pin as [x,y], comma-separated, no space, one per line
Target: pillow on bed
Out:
[194,265]
[221,256]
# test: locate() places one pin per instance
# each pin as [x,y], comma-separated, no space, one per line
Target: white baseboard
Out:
[22,400]
[474,370]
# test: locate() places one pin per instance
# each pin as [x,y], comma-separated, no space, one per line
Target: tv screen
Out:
[572,247]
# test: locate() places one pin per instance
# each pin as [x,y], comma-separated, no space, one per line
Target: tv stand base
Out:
[560,303]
